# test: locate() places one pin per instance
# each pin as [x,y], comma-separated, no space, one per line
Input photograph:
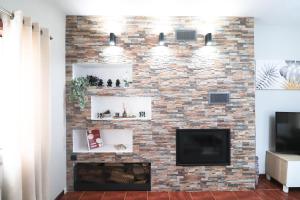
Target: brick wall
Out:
[178,77]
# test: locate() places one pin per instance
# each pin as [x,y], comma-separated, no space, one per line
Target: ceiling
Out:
[269,11]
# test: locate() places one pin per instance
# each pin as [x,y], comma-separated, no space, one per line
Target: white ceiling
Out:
[269,11]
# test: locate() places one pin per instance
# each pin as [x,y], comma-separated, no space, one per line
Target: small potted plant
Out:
[93,80]
[126,83]
[79,91]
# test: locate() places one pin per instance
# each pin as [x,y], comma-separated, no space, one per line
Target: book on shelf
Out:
[94,139]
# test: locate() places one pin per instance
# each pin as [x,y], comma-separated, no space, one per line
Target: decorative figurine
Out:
[107,114]
[124,112]
[120,146]
[142,114]
[109,83]
[118,83]
[100,115]
[100,83]
[126,83]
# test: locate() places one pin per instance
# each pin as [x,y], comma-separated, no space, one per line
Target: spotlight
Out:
[112,39]
[1,27]
[208,39]
[161,39]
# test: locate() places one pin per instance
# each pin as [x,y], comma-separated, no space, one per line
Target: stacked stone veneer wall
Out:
[178,77]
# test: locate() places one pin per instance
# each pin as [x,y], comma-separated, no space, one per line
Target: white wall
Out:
[51,17]
[273,42]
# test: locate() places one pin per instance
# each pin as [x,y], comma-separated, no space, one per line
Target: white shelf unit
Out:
[110,138]
[104,72]
[133,106]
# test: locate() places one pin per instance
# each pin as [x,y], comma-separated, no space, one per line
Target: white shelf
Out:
[104,72]
[123,119]
[110,138]
[107,88]
[114,104]
[107,148]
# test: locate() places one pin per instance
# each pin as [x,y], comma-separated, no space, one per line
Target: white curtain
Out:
[24,130]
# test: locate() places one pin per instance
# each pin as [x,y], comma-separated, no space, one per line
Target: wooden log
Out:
[95,172]
[114,164]
[119,169]
[93,179]
[140,182]
[140,177]
[147,170]
[121,177]
[138,170]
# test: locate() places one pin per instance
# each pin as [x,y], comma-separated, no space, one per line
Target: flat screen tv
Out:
[287,128]
[202,147]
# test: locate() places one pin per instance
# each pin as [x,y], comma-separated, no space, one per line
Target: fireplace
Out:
[203,147]
[112,176]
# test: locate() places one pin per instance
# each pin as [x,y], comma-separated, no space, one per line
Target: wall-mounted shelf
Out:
[110,137]
[133,106]
[92,88]
[123,119]
[104,72]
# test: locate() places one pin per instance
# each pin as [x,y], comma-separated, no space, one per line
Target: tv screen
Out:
[203,147]
[287,138]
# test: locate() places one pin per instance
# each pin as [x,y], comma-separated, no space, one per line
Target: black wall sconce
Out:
[161,39]
[112,39]
[208,39]
[1,27]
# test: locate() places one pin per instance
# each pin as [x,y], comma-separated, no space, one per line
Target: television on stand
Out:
[287,129]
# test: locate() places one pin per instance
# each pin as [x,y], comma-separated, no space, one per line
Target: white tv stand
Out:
[285,168]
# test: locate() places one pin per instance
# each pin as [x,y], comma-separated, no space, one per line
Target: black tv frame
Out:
[275,143]
[228,156]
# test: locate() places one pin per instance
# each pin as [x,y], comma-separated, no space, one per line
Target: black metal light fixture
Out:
[208,39]
[112,39]
[161,39]
[1,27]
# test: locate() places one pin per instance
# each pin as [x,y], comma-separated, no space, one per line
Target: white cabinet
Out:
[285,168]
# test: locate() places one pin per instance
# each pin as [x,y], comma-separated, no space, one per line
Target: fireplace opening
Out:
[112,176]
[203,147]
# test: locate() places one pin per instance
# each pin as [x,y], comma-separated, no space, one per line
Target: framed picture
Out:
[277,75]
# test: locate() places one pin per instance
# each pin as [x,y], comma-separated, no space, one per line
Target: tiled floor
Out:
[265,191]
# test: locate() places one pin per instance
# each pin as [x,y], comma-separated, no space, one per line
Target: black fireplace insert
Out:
[112,176]
[202,147]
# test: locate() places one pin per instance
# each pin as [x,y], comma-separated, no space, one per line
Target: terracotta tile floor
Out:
[265,190]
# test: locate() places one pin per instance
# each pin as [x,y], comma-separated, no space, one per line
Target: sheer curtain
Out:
[24,133]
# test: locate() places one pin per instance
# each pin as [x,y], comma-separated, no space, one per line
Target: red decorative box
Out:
[94,139]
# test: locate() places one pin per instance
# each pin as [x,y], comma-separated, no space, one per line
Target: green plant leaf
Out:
[79,91]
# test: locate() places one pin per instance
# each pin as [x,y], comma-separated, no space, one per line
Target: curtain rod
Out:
[11,16]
